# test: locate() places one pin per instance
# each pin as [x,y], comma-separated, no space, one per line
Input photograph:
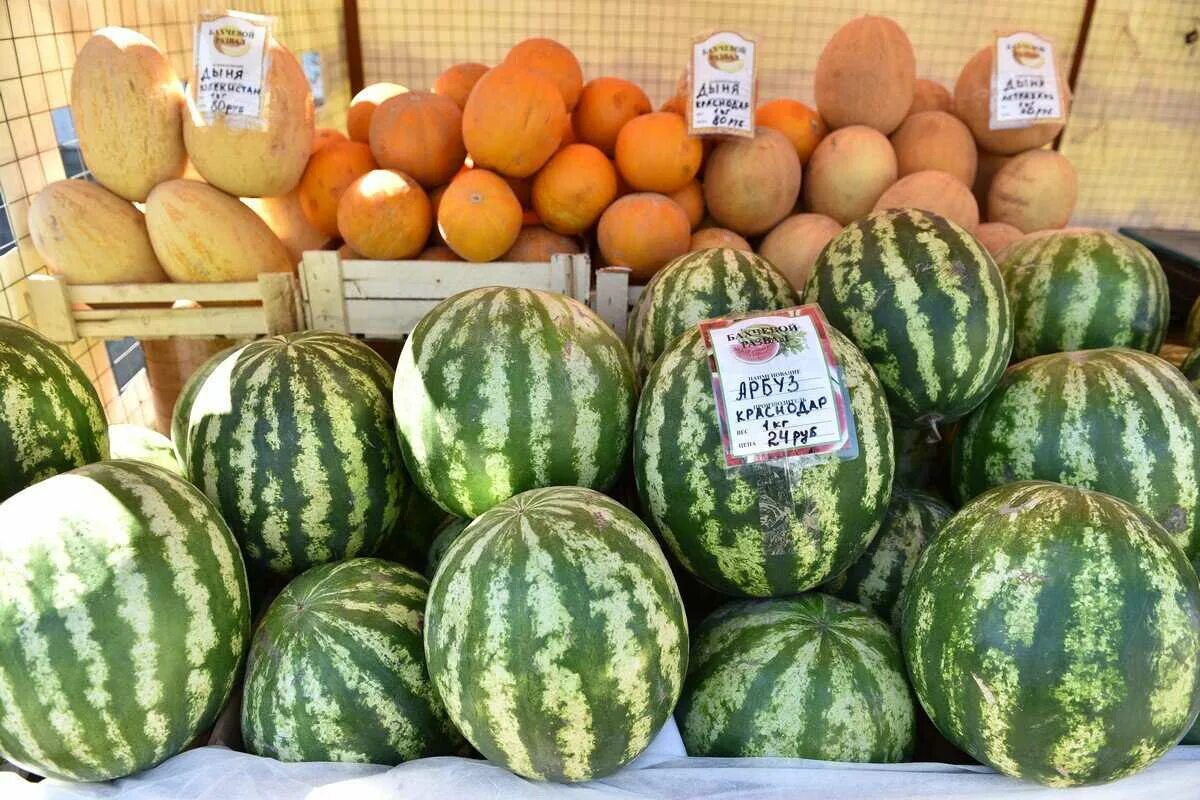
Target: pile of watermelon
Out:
[525,542]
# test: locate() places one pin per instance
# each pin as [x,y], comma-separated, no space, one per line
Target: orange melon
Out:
[643,231]
[1034,191]
[691,199]
[995,236]
[329,173]
[605,105]
[385,214]
[573,189]
[794,244]
[419,134]
[935,140]
[972,104]
[718,237]
[537,244]
[930,96]
[438,252]
[802,125]
[654,153]
[513,121]
[323,137]
[553,61]
[866,75]
[936,191]
[457,82]
[479,217]
[363,105]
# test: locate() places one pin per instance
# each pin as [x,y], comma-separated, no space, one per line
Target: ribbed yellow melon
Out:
[87,234]
[847,173]
[865,75]
[200,234]
[1033,191]
[258,162]
[128,108]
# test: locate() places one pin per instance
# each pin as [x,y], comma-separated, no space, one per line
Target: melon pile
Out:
[523,540]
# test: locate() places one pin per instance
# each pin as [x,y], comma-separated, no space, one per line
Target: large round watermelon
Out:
[502,390]
[336,670]
[701,285]
[1118,421]
[1191,367]
[447,534]
[1054,633]
[1081,289]
[181,413]
[762,529]
[51,419]
[881,573]
[294,439]
[139,443]
[555,634]
[797,677]
[925,303]
[123,615]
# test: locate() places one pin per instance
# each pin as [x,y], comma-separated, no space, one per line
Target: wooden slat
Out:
[386,319]
[612,297]
[126,293]
[152,323]
[428,280]
[581,276]
[51,308]
[321,282]
[279,306]
[634,293]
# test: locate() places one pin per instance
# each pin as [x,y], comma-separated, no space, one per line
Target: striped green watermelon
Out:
[1192,326]
[181,414]
[810,676]
[1054,633]
[501,390]
[701,285]
[1081,289]
[555,634]
[447,534]
[293,438]
[123,615]
[51,419]
[336,670]
[925,303]
[1118,421]
[139,443]
[1191,367]
[768,528]
[880,574]
[414,532]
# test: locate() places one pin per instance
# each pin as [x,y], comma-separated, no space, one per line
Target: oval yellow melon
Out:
[258,162]
[989,165]
[751,184]
[847,173]
[128,108]
[200,234]
[935,140]
[930,96]
[706,238]
[865,75]
[936,191]
[284,215]
[1033,191]
[972,104]
[995,236]
[794,244]
[87,234]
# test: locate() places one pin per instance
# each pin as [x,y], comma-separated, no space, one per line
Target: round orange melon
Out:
[802,125]
[605,105]
[972,104]
[643,231]
[930,96]
[553,61]
[935,140]
[573,189]
[536,244]
[363,105]
[705,238]
[691,199]
[329,173]
[655,154]
[513,121]
[866,75]
[995,236]
[323,137]
[419,134]
[936,191]
[751,184]
[794,244]
[479,217]
[457,82]
[385,214]
[849,170]
[438,252]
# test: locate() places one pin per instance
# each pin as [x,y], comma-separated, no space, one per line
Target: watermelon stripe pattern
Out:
[556,636]
[1084,289]
[51,419]
[764,529]
[501,390]
[336,671]
[1191,367]
[798,677]
[124,614]
[701,285]
[925,303]
[294,439]
[1054,633]
[1117,421]
[876,580]
[181,414]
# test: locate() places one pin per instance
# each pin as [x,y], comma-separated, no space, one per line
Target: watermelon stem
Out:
[932,421]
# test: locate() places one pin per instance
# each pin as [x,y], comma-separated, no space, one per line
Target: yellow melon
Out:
[706,238]
[930,96]
[1033,191]
[936,191]
[794,244]
[995,236]
[751,184]
[847,173]
[935,140]
[865,75]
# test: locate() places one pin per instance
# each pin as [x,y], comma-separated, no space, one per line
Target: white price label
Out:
[231,65]
[721,98]
[777,387]
[1025,87]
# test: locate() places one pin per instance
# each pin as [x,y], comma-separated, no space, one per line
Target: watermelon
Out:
[414,532]
[1192,326]
[555,634]
[1082,289]
[446,536]
[294,439]
[701,285]
[880,574]
[124,615]
[767,528]
[336,670]
[138,443]
[501,390]
[925,303]
[1191,367]
[181,413]
[1117,421]
[810,676]
[51,419]
[920,457]
[1054,634]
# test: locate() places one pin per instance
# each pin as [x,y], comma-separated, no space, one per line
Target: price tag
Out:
[231,66]
[1025,87]
[310,60]
[723,82]
[778,389]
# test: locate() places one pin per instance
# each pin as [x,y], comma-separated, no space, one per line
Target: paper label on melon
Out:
[721,96]
[1024,82]
[777,387]
[231,68]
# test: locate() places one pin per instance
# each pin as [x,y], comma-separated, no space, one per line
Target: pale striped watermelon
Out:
[51,419]
[1118,421]
[123,615]
[555,634]
[701,285]
[336,670]
[1054,633]
[138,443]
[772,528]
[881,573]
[293,438]
[1080,289]
[501,390]
[797,677]
[925,303]
[181,414]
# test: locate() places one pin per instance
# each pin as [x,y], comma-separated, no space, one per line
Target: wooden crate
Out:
[386,299]
[65,312]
